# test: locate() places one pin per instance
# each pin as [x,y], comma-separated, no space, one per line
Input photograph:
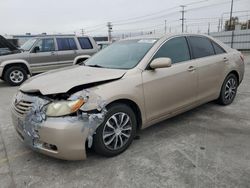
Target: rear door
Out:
[85,46]
[211,66]
[167,90]
[45,58]
[67,50]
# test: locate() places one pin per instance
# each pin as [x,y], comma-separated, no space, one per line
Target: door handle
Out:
[191,68]
[52,53]
[225,59]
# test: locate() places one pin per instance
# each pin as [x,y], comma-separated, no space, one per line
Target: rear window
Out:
[218,49]
[201,46]
[85,43]
[66,44]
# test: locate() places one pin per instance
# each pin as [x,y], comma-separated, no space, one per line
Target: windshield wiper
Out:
[98,66]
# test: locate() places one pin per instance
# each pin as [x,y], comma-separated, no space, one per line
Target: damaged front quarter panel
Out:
[92,113]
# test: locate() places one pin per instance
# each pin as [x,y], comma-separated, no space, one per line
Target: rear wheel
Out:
[228,90]
[116,132]
[15,75]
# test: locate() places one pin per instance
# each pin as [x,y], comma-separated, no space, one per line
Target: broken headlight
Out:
[62,108]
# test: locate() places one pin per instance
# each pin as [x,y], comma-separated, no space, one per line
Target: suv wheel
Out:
[116,132]
[228,90]
[15,75]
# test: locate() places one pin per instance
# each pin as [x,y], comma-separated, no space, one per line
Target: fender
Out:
[16,61]
[80,57]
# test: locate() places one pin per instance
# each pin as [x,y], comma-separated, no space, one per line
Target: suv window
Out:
[66,44]
[46,45]
[217,48]
[176,49]
[201,46]
[85,43]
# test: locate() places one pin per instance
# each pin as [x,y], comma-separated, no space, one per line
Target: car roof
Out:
[61,36]
[167,35]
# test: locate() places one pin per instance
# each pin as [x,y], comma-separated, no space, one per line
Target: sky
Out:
[71,16]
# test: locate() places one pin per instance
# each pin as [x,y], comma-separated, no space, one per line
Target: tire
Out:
[15,75]
[100,144]
[228,90]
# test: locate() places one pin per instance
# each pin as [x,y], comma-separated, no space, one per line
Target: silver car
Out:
[45,53]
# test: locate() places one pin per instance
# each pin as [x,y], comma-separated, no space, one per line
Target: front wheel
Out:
[117,131]
[15,75]
[228,90]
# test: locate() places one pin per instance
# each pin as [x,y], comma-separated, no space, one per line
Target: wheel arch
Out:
[78,58]
[20,63]
[236,74]
[133,106]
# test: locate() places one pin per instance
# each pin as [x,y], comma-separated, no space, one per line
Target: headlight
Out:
[63,108]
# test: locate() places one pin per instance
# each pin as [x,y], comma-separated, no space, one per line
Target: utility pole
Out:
[82,31]
[109,31]
[208,29]
[182,17]
[219,26]
[165,26]
[231,13]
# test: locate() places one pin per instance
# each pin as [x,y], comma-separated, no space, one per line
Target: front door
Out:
[43,56]
[169,89]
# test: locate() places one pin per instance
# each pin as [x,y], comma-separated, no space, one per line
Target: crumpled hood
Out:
[62,80]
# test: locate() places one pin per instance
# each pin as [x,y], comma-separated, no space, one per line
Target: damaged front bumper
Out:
[62,138]
[59,137]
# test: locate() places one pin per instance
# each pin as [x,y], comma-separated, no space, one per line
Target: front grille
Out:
[22,107]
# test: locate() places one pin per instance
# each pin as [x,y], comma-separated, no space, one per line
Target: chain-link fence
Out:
[238,39]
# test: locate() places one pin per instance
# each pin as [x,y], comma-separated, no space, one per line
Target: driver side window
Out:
[46,45]
[176,49]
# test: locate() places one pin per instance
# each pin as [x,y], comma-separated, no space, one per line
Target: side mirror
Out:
[36,49]
[162,62]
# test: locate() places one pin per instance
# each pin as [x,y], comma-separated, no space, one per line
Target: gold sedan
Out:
[129,85]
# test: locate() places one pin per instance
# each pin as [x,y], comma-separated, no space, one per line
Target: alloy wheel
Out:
[230,90]
[117,131]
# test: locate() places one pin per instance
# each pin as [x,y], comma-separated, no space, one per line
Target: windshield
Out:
[121,55]
[28,45]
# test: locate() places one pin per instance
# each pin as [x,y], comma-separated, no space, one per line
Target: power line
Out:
[147,19]
[165,15]
[147,15]
[158,12]
[211,5]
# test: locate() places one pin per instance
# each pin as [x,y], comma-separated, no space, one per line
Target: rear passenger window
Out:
[66,44]
[176,49]
[85,43]
[201,46]
[218,49]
